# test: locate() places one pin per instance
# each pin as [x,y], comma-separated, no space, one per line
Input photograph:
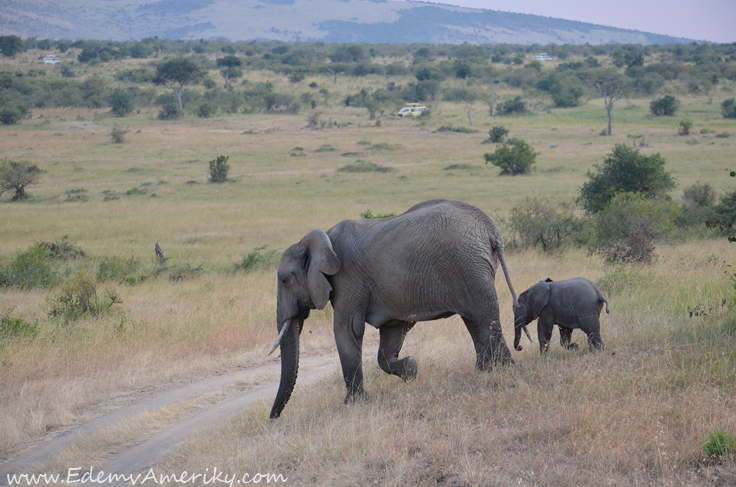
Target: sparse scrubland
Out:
[90,314]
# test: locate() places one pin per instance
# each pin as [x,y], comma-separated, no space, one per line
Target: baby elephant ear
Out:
[322,260]
[538,298]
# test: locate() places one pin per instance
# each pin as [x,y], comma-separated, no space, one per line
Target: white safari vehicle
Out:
[543,56]
[412,110]
[51,60]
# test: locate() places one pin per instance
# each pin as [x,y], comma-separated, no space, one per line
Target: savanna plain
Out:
[635,413]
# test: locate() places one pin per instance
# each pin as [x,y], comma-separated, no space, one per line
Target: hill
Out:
[373,21]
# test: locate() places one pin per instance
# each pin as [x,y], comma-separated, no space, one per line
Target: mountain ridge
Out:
[370,21]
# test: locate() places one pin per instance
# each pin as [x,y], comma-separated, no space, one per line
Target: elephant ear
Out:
[322,260]
[538,298]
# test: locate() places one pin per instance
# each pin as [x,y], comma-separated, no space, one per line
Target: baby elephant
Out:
[572,303]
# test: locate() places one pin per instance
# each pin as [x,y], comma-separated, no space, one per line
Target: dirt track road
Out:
[252,384]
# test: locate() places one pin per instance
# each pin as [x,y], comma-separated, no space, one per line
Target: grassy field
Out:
[631,415]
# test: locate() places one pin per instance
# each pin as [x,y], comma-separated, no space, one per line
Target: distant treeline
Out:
[694,68]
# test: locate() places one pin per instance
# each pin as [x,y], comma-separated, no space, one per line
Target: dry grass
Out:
[631,415]
[571,418]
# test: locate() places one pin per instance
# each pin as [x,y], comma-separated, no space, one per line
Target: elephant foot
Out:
[352,397]
[411,367]
[572,346]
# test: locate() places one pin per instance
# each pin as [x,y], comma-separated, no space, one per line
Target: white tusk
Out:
[281,335]
[527,333]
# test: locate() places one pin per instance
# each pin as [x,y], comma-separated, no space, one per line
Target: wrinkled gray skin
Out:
[436,260]
[570,304]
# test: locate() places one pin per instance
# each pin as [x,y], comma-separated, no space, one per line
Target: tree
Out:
[516,159]
[611,86]
[11,45]
[537,222]
[667,105]
[121,101]
[625,170]
[178,73]
[232,69]
[17,176]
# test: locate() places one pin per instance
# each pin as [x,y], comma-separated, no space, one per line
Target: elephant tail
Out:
[502,258]
[605,301]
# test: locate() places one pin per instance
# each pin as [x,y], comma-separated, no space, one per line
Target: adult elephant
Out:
[436,260]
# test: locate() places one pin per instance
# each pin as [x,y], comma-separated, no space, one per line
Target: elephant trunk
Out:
[289,365]
[517,337]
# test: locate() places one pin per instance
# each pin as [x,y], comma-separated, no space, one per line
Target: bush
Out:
[257,259]
[17,176]
[170,111]
[364,166]
[205,110]
[509,107]
[728,108]
[118,134]
[10,115]
[718,442]
[120,269]
[31,268]
[497,134]
[667,106]
[630,225]
[515,159]
[537,222]
[685,125]
[78,297]
[11,327]
[625,170]
[697,205]
[121,102]
[219,169]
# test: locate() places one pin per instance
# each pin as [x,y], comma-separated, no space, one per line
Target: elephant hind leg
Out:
[594,340]
[490,346]
[391,341]
[566,339]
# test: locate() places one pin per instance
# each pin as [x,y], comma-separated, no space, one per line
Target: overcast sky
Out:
[703,20]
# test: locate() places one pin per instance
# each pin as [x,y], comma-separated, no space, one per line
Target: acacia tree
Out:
[232,69]
[611,86]
[178,73]
[11,45]
[17,176]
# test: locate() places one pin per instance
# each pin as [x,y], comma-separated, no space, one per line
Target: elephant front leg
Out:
[392,339]
[349,340]
[544,333]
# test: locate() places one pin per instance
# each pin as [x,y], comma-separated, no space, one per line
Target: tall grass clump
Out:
[364,166]
[718,443]
[78,297]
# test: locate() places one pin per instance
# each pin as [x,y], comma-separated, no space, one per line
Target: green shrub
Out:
[117,134]
[31,268]
[78,297]
[368,215]
[170,111]
[685,125]
[497,134]
[630,225]
[625,170]
[121,101]
[206,110]
[364,166]
[62,250]
[667,106]
[697,207]
[728,108]
[10,115]
[509,107]
[219,169]
[11,327]
[515,159]
[257,259]
[718,442]
[459,130]
[120,269]
[536,222]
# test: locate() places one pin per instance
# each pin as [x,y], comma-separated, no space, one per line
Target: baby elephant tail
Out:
[605,301]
